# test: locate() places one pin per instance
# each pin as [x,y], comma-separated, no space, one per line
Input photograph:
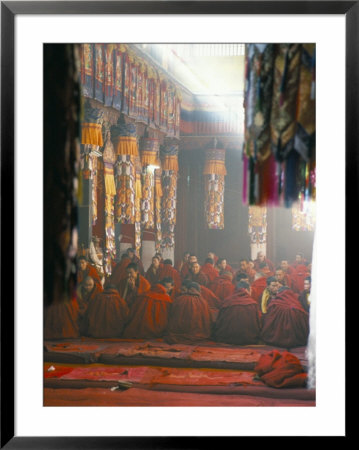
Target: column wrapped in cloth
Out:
[107,314]
[149,314]
[286,323]
[190,318]
[239,319]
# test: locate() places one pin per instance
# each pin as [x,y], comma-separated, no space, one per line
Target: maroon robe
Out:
[298,276]
[213,302]
[90,271]
[184,270]
[239,320]
[149,314]
[83,300]
[152,276]
[166,270]
[285,324]
[137,260]
[141,286]
[119,272]
[107,315]
[257,288]
[222,287]
[199,278]
[267,261]
[189,320]
[210,271]
[61,320]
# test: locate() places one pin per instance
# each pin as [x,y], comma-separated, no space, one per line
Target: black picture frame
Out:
[9,9]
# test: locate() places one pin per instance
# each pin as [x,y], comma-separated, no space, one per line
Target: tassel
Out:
[251,182]
[284,78]
[312,91]
[291,188]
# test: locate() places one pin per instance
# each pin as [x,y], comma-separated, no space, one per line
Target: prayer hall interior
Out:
[179,224]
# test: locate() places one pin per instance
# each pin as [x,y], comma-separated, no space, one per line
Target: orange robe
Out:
[149,314]
[199,278]
[152,276]
[222,287]
[119,272]
[90,271]
[107,315]
[213,302]
[141,286]
[184,270]
[61,320]
[189,319]
[210,271]
[83,300]
[166,270]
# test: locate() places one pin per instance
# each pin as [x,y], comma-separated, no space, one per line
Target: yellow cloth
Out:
[265,298]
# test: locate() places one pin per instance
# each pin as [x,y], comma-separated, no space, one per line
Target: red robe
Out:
[166,270]
[189,320]
[298,276]
[285,324]
[267,261]
[137,260]
[141,286]
[152,276]
[184,270]
[251,273]
[257,288]
[90,271]
[239,320]
[149,314]
[119,272]
[199,278]
[210,271]
[83,300]
[213,302]
[61,320]
[107,315]
[222,287]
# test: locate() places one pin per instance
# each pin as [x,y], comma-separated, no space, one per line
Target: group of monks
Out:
[189,303]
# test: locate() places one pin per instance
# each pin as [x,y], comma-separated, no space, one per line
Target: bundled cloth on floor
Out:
[286,323]
[107,314]
[149,314]
[190,318]
[239,319]
[61,320]
[281,370]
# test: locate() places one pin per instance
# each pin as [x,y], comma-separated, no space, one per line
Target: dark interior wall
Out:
[192,233]
[283,242]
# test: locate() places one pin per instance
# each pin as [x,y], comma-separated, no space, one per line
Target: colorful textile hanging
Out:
[94,189]
[169,156]
[303,216]
[126,150]
[138,197]
[99,72]
[158,197]
[118,77]
[109,74]
[87,69]
[149,161]
[214,172]
[279,123]
[257,224]
[109,159]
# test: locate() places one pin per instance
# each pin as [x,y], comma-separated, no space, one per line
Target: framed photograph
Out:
[101,99]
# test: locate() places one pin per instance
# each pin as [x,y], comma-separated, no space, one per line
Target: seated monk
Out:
[285,324]
[149,313]
[213,302]
[299,261]
[61,320]
[269,293]
[304,296]
[283,278]
[222,286]
[245,268]
[209,269]
[286,267]
[195,274]
[261,258]
[260,282]
[152,274]
[167,270]
[300,273]
[119,271]
[85,269]
[131,252]
[182,262]
[85,293]
[186,267]
[212,256]
[107,314]
[189,319]
[223,265]
[134,284]
[239,318]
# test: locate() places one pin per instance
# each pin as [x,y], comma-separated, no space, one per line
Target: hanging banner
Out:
[158,221]
[149,161]
[257,225]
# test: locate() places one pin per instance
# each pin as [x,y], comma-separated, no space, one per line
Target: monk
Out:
[186,267]
[61,320]
[153,272]
[167,270]
[86,292]
[213,256]
[149,314]
[299,260]
[286,323]
[223,265]
[107,314]
[261,257]
[298,276]
[284,265]
[260,282]
[209,269]
[269,293]
[190,319]
[131,252]
[304,296]
[119,271]
[134,284]
[195,274]
[245,268]
[182,262]
[85,269]
[283,278]
[239,318]
[222,286]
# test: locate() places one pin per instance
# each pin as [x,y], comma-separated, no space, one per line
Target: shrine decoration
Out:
[257,225]
[214,172]
[158,198]
[138,197]
[150,162]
